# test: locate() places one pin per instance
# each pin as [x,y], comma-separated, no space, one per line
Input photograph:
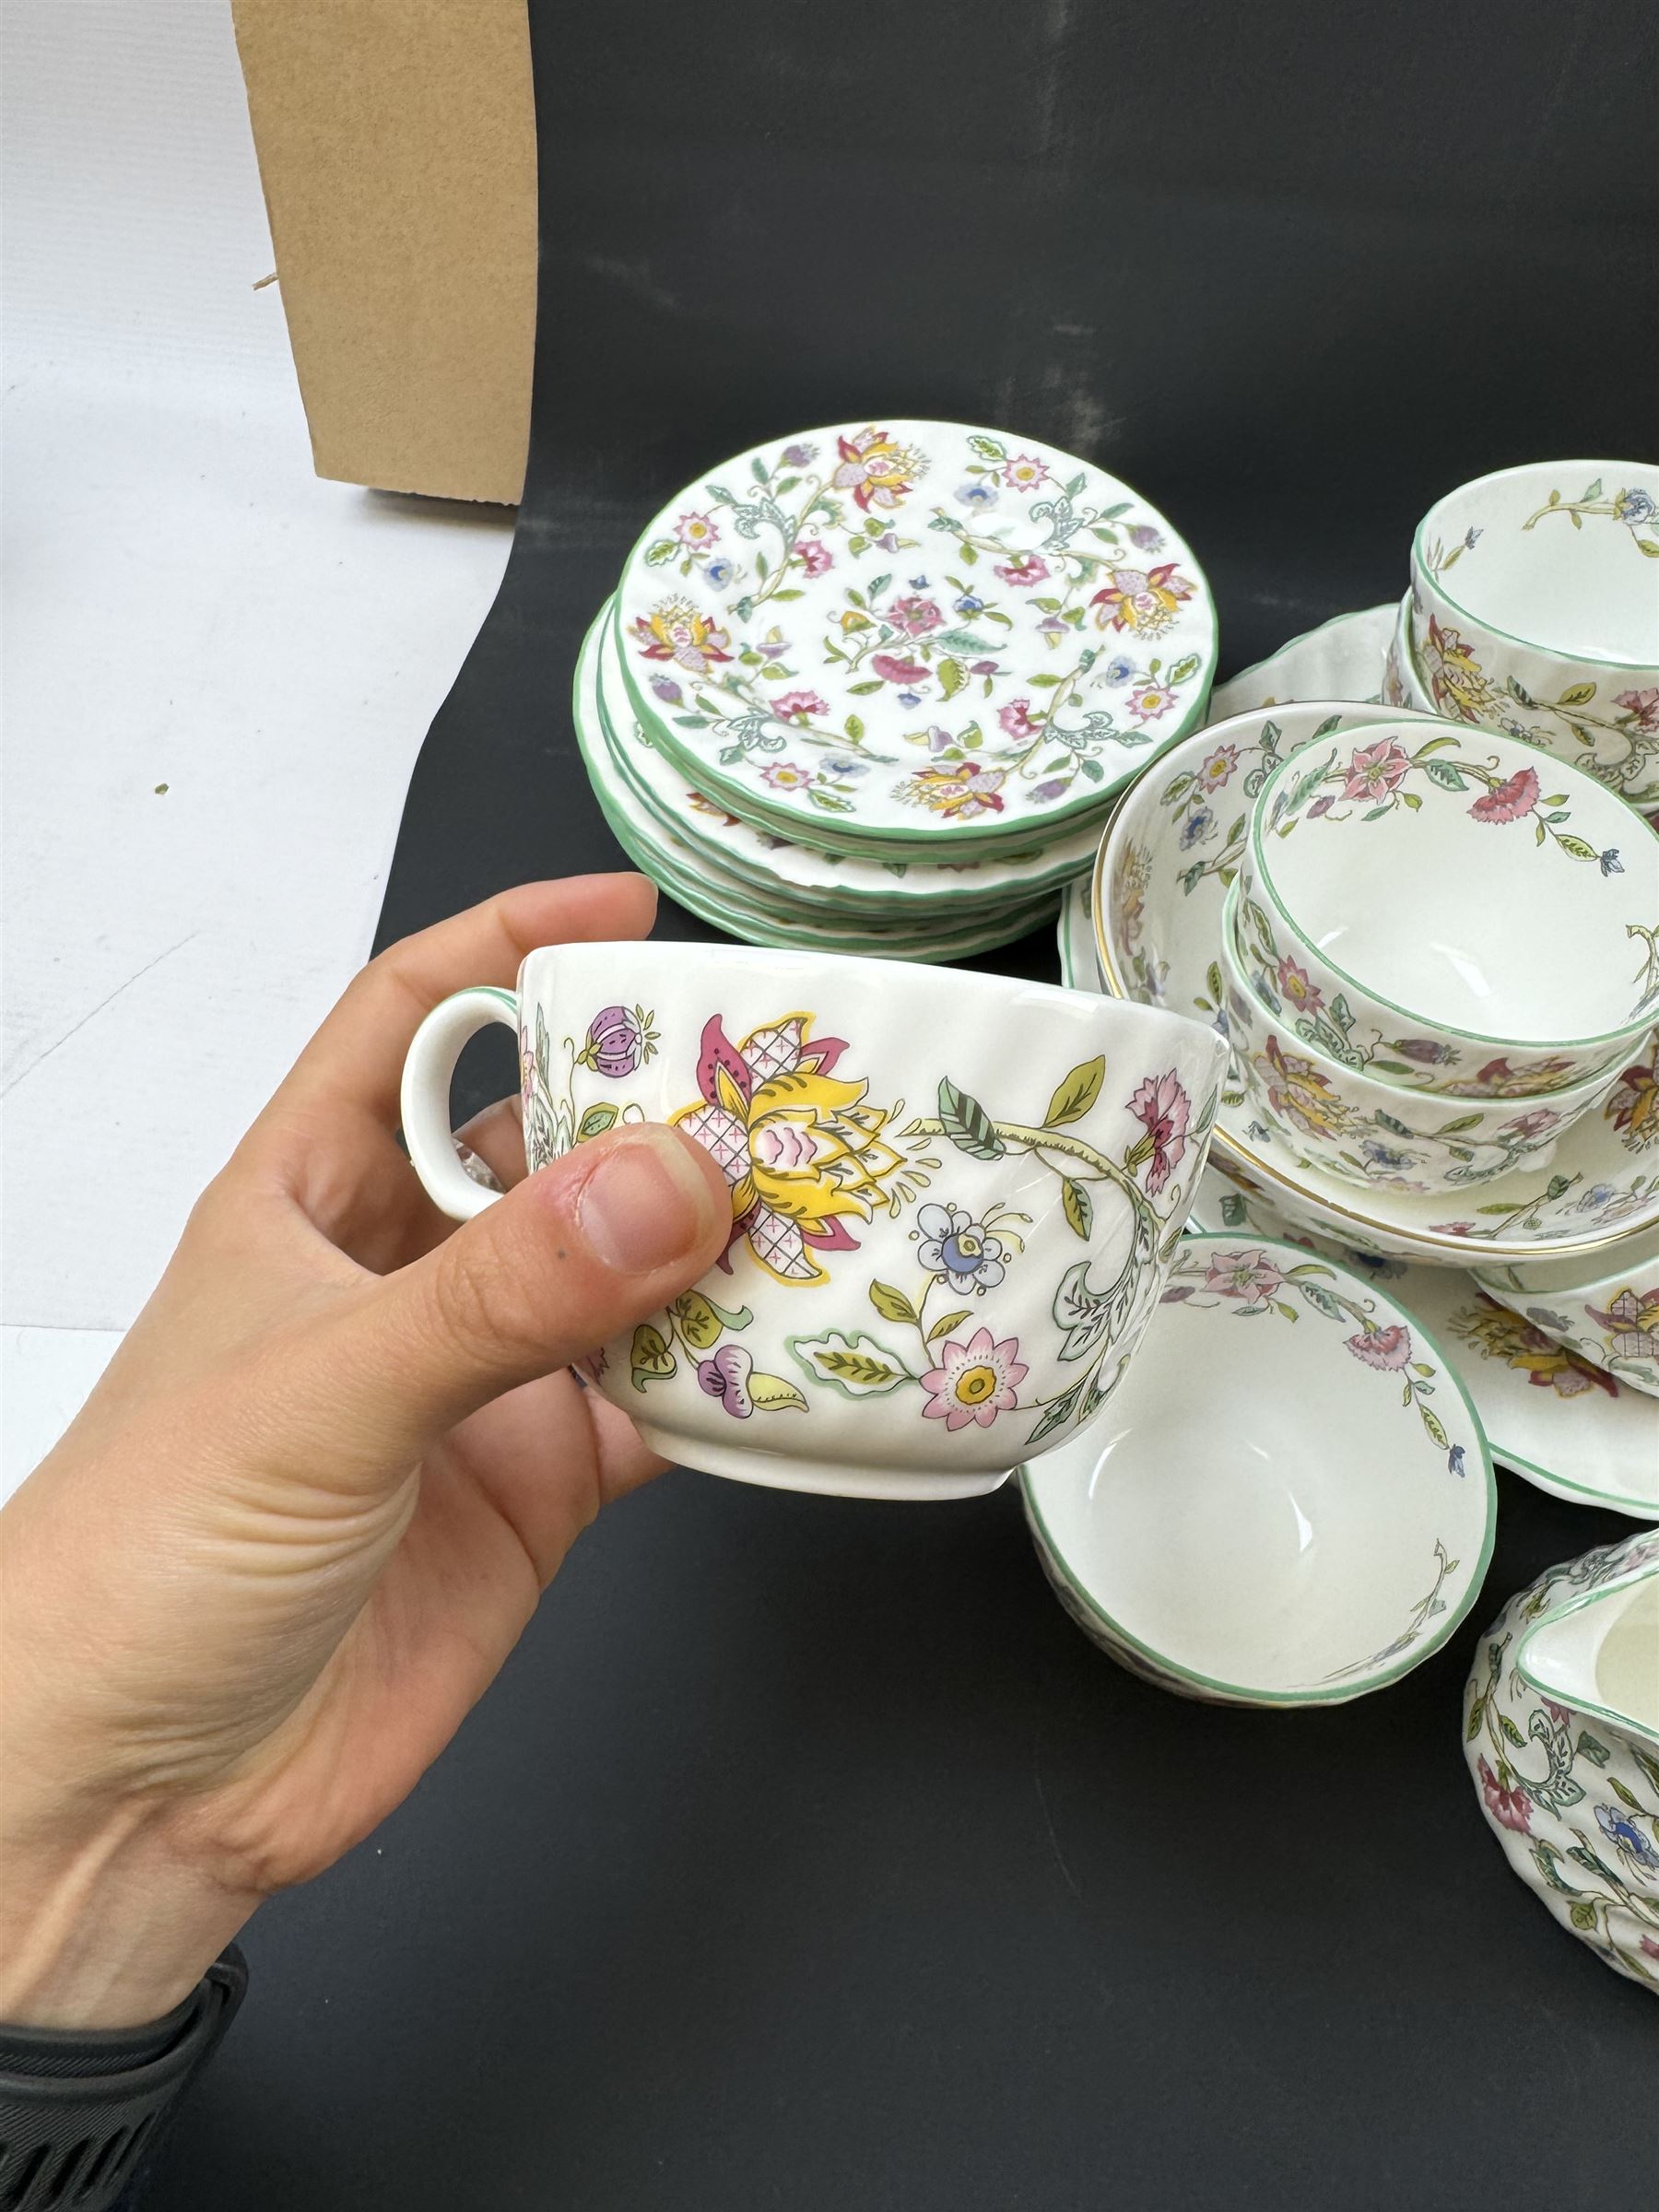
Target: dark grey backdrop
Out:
[804,1854]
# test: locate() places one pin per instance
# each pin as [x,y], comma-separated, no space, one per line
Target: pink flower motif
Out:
[1248,1275]
[1376,770]
[975,1379]
[1534,1123]
[1024,474]
[1016,718]
[1651,1946]
[1162,1106]
[696,530]
[799,706]
[814,555]
[1298,989]
[1147,701]
[1215,768]
[1389,1348]
[1024,569]
[914,616]
[725,1376]
[1510,1808]
[785,775]
[1642,708]
[1511,800]
[892,670]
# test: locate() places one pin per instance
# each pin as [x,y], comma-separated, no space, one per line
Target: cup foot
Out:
[779,1471]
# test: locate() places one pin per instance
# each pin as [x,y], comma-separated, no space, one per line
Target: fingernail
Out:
[645,1204]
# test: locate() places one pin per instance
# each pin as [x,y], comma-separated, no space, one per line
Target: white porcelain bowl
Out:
[953,1196]
[1465,897]
[1290,1501]
[1535,608]
[1606,1313]
[1358,1125]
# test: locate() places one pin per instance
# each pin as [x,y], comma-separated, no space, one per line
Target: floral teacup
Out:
[1607,1313]
[1536,611]
[954,1195]
[1340,1116]
[1483,911]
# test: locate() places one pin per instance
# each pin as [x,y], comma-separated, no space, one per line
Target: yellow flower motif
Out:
[1460,685]
[802,1149]
[1299,1092]
[675,632]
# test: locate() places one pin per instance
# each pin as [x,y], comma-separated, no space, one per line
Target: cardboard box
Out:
[396,144]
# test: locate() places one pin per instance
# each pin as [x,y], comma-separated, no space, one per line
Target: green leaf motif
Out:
[967,1124]
[892,1305]
[1575,848]
[1511,1735]
[595,1122]
[775,1393]
[855,1366]
[1078,1205]
[1075,1093]
[988,448]
[650,1357]
[1185,667]
[952,677]
[1445,775]
[697,1320]
[950,1321]
[854,728]
[1579,695]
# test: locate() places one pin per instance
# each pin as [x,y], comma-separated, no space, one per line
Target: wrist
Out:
[112,1928]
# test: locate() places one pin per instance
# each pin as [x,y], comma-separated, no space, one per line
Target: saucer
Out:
[977,635]
[1159,883]
[798,873]
[1341,659]
[1307,1526]
[724,900]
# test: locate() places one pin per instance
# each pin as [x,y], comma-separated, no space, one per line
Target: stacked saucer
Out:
[874,688]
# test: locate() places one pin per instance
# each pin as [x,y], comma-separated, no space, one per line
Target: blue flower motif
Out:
[1455,1460]
[1627,1839]
[910,699]
[976,492]
[1595,1198]
[720,571]
[844,764]
[1117,671]
[1610,862]
[953,1245]
[1199,823]
[968,604]
[1472,539]
[918,584]
[1386,1156]
[1635,507]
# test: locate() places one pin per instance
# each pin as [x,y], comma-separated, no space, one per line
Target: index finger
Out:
[355,1061]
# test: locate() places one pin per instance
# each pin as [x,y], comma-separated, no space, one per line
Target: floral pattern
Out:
[813,1162]
[1614,737]
[1572,1796]
[1253,1283]
[1497,1333]
[982,642]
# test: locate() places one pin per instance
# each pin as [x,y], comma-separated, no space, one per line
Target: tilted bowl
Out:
[1358,1125]
[1292,1502]
[1536,611]
[953,1196]
[1485,912]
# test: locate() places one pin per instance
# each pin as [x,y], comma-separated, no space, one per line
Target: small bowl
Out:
[1607,1314]
[1470,900]
[1355,1123]
[1535,610]
[1292,1513]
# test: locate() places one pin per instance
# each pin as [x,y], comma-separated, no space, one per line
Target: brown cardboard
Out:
[396,144]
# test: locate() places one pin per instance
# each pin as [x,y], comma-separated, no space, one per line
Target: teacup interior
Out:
[1470,922]
[1583,588]
[1604,1653]
[1268,1524]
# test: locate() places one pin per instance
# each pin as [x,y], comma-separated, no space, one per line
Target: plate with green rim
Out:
[693,883]
[970,632]
[803,872]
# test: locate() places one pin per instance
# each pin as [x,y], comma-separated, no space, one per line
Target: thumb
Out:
[584,1248]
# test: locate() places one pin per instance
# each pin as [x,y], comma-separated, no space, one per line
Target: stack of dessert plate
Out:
[873,687]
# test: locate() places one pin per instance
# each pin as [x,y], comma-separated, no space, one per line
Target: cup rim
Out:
[1615,1039]
[1455,1614]
[1420,569]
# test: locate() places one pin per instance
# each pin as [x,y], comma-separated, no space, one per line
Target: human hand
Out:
[312,1502]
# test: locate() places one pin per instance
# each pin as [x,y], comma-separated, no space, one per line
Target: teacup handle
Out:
[428,1071]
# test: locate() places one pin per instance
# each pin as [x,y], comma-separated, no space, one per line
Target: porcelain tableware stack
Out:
[1534,611]
[874,688]
[1435,964]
